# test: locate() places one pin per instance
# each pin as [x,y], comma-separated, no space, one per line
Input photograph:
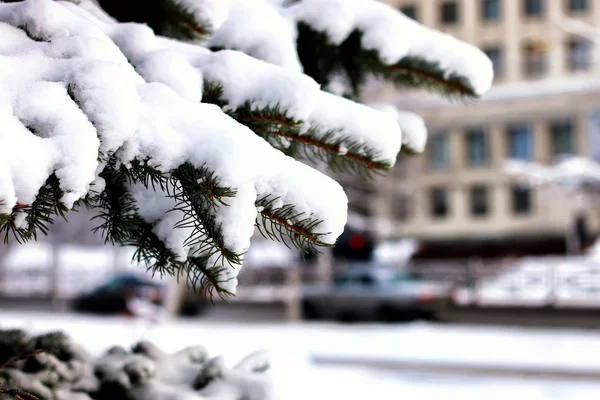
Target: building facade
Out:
[545,104]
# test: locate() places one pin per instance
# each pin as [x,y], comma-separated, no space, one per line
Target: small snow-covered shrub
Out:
[65,371]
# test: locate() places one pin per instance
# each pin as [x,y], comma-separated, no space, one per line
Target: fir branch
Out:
[207,279]
[413,72]
[16,393]
[285,223]
[123,225]
[38,215]
[199,195]
[213,93]
[340,152]
[322,60]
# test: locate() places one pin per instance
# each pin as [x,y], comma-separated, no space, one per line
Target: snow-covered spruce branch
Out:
[285,107]
[53,366]
[372,38]
[82,109]
[112,116]
[349,147]
[328,38]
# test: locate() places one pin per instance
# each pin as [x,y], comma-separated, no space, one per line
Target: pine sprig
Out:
[180,23]
[123,225]
[199,196]
[37,216]
[339,151]
[323,60]
[285,224]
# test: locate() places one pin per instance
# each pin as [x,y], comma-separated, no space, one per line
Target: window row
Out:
[519,144]
[536,57]
[479,198]
[492,10]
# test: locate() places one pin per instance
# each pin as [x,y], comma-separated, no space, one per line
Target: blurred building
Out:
[545,104]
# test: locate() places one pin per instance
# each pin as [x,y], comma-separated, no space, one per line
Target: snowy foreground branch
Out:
[65,371]
[111,116]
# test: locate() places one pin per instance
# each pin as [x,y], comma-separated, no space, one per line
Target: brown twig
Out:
[19,394]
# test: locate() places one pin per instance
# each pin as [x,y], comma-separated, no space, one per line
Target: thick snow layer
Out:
[257,28]
[395,36]
[361,124]
[247,79]
[414,131]
[148,113]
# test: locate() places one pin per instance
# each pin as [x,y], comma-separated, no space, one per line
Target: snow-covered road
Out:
[291,346]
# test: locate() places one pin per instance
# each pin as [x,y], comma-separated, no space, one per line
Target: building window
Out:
[496,56]
[477,148]
[579,54]
[449,12]
[533,8]
[562,138]
[578,5]
[520,142]
[401,207]
[535,59]
[521,200]
[479,201]
[410,11]
[490,10]
[439,151]
[439,202]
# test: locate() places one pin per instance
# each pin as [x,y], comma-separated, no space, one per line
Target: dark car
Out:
[113,296]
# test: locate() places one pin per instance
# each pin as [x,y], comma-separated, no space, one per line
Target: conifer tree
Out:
[188,124]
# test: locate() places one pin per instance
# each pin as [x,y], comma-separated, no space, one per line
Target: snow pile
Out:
[571,172]
[395,36]
[66,371]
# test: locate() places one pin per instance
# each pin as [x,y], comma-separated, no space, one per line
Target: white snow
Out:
[247,79]
[395,36]
[363,125]
[290,347]
[414,131]
[571,172]
[257,28]
[539,281]
[396,252]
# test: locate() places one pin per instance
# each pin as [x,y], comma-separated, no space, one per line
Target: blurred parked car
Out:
[114,295]
[381,294]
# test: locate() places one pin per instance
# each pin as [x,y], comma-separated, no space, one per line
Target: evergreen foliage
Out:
[195,189]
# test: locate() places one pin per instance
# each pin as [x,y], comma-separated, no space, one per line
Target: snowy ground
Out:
[292,345]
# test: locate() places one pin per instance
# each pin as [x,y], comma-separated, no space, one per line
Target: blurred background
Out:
[453,277]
